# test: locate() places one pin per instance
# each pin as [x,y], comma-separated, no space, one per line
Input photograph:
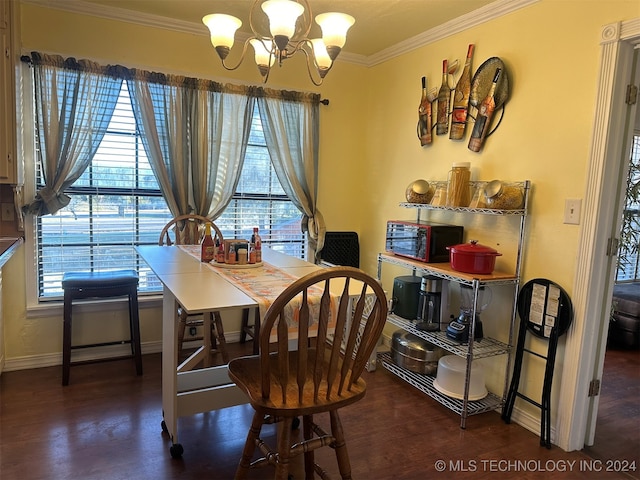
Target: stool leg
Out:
[256,331]
[134,319]
[66,337]
[245,325]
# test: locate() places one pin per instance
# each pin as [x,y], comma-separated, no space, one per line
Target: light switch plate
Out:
[572,211]
[8,214]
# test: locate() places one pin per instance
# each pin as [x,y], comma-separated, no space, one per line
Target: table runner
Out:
[264,284]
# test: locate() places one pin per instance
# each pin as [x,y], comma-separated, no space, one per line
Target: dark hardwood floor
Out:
[106,425]
[618,426]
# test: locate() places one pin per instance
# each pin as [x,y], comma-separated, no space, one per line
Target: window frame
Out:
[44,307]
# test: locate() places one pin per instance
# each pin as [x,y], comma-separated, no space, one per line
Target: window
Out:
[261,202]
[628,255]
[117,205]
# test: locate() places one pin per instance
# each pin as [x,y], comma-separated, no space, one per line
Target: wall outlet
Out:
[8,212]
[572,211]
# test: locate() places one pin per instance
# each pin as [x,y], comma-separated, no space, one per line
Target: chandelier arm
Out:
[311,66]
[265,77]
[274,53]
[309,22]
[244,51]
[251,25]
[298,45]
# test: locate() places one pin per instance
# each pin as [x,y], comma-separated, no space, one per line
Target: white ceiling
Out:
[380,24]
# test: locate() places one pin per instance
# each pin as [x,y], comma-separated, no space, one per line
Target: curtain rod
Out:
[28,59]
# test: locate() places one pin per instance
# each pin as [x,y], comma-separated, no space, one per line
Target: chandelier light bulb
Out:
[223,29]
[323,61]
[334,29]
[263,53]
[283,15]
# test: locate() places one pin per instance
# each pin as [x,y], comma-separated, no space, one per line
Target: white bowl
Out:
[450,378]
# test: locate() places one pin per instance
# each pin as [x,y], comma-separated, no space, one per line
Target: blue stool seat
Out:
[84,285]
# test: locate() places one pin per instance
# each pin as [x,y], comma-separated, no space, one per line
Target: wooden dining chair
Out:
[310,376]
[189,230]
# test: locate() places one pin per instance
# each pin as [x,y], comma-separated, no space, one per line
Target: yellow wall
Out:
[552,59]
[369,151]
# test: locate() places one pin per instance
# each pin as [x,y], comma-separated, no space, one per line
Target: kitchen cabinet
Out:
[11,171]
[472,349]
[8,247]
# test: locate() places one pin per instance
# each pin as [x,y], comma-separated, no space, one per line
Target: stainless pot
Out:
[415,354]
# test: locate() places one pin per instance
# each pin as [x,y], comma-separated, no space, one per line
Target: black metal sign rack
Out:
[546,311]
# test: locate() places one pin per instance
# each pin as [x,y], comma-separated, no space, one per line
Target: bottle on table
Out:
[207,246]
[444,98]
[232,254]
[257,244]
[483,118]
[220,252]
[461,100]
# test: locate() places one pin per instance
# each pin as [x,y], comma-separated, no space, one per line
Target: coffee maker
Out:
[430,304]
[460,327]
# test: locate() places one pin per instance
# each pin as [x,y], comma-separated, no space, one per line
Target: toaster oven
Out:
[424,241]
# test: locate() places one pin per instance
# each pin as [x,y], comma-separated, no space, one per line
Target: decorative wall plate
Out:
[482,80]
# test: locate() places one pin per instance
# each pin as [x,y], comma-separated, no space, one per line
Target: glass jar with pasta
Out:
[458,188]
[503,196]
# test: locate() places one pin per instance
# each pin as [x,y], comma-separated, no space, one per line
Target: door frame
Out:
[586,345]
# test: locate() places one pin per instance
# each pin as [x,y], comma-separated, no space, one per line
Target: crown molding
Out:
[120,15]
[482,15]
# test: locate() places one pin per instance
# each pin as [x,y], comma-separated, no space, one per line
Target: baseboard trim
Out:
[54,359]
[532,423]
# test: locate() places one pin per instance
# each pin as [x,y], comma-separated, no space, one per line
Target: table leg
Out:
[222,342]
[207,340]
[169,365]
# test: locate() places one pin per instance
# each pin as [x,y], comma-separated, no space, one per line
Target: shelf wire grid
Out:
[482,348]
[424,383]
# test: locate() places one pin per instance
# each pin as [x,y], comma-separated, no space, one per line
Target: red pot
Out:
[472,258]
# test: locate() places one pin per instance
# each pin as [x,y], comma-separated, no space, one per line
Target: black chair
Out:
[341,248]
[83,285]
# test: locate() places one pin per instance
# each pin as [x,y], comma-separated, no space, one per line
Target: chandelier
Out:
[287,36]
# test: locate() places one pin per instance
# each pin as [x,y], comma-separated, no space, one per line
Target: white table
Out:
[199,289]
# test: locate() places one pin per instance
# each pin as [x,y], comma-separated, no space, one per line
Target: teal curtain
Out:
[291,128]
[74,102]
[195,134]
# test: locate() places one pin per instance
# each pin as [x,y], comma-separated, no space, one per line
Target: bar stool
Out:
[82,285]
